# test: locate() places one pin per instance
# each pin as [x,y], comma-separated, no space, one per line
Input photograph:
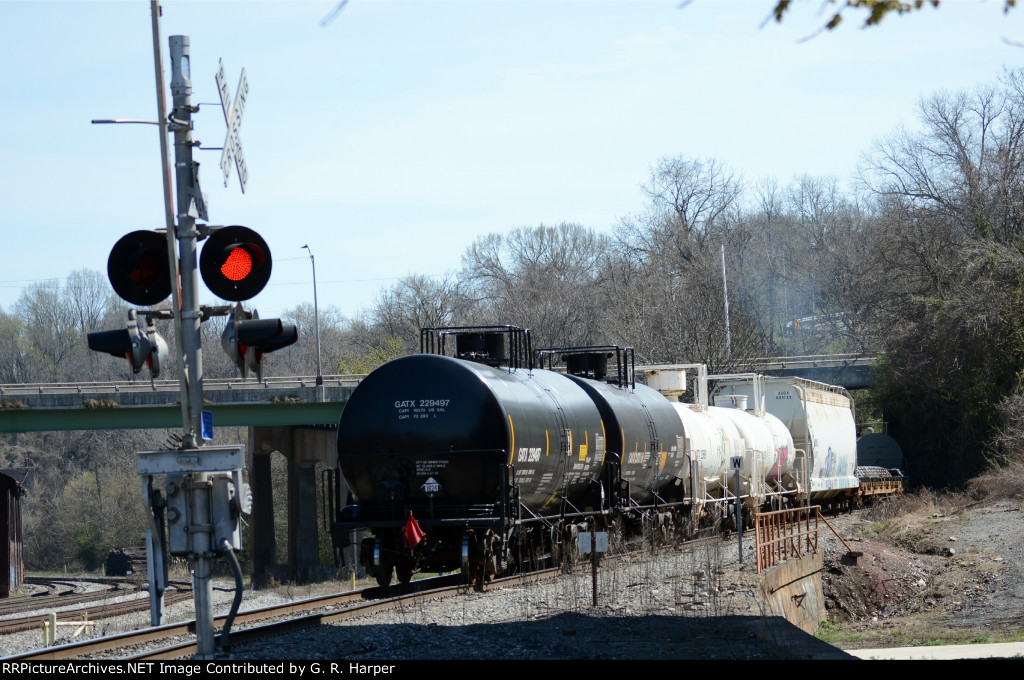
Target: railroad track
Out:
[140,644]
[93,612]
[177,640]
[62,592]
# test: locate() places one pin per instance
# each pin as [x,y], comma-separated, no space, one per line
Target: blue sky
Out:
[393,136]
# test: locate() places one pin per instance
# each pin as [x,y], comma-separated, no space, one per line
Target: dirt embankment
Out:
[932,567]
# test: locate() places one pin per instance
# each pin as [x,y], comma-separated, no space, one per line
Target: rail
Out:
[814,360]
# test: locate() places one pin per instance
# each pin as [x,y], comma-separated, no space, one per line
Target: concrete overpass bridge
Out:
[292,416]
[852,371]
[44,407]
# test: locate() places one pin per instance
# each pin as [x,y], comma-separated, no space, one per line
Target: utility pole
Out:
[725,294]
[316,322]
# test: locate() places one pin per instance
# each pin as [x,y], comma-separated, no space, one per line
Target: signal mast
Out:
[197,514]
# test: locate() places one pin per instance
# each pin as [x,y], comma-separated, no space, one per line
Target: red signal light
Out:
[235,263]
[151,265]
[238,265]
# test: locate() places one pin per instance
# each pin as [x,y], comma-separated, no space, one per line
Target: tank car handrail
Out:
[625,360]
[433,341]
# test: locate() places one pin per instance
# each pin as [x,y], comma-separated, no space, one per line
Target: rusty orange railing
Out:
[786,534]
[790,534]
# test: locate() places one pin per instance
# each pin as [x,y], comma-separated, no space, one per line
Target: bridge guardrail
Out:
[116,387]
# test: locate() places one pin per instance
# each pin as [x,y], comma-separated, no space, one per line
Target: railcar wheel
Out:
[404,573]
[474,564]
[383,564]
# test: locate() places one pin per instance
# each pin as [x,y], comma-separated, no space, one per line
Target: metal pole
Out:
[200,526]
[172,255]
[593,557]
[316,321]
[739,517]
[725,294]
[156,586]
[187,234]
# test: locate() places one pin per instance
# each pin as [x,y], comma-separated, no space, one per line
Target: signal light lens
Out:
[237,266]
[148,268]
[139,269]
[235,263]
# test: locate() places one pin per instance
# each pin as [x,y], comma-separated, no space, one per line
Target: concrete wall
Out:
[793,590]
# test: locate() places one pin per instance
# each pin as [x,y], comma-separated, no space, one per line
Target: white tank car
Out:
[820,419]
[710,443]
[716,434]
[768,446]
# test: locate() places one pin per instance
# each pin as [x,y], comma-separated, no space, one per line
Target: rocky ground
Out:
[931,569]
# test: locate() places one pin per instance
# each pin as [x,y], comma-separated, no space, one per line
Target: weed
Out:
[837,634]
[1002,481]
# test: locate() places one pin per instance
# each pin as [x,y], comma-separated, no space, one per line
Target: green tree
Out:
[876,10]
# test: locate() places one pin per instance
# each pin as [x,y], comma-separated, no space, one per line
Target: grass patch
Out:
[843,635]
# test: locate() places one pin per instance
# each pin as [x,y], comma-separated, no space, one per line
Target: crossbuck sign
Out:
[233,118]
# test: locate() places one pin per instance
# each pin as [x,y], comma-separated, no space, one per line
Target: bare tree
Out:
[966,167]
[417,302]
[688,199]
[542,278]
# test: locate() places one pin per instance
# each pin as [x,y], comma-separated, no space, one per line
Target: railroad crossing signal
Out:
[138,268]
[235,263]
[247,338]
[233,118]
[140,348]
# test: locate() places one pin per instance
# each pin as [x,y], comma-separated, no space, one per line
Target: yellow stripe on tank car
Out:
[547,443]
[604,438]
[512,429]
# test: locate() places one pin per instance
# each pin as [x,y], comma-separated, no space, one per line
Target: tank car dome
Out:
[879,450]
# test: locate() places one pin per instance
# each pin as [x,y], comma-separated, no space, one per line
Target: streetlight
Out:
[316,320]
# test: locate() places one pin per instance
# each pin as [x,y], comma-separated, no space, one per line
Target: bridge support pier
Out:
[304,448]
[262,547]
